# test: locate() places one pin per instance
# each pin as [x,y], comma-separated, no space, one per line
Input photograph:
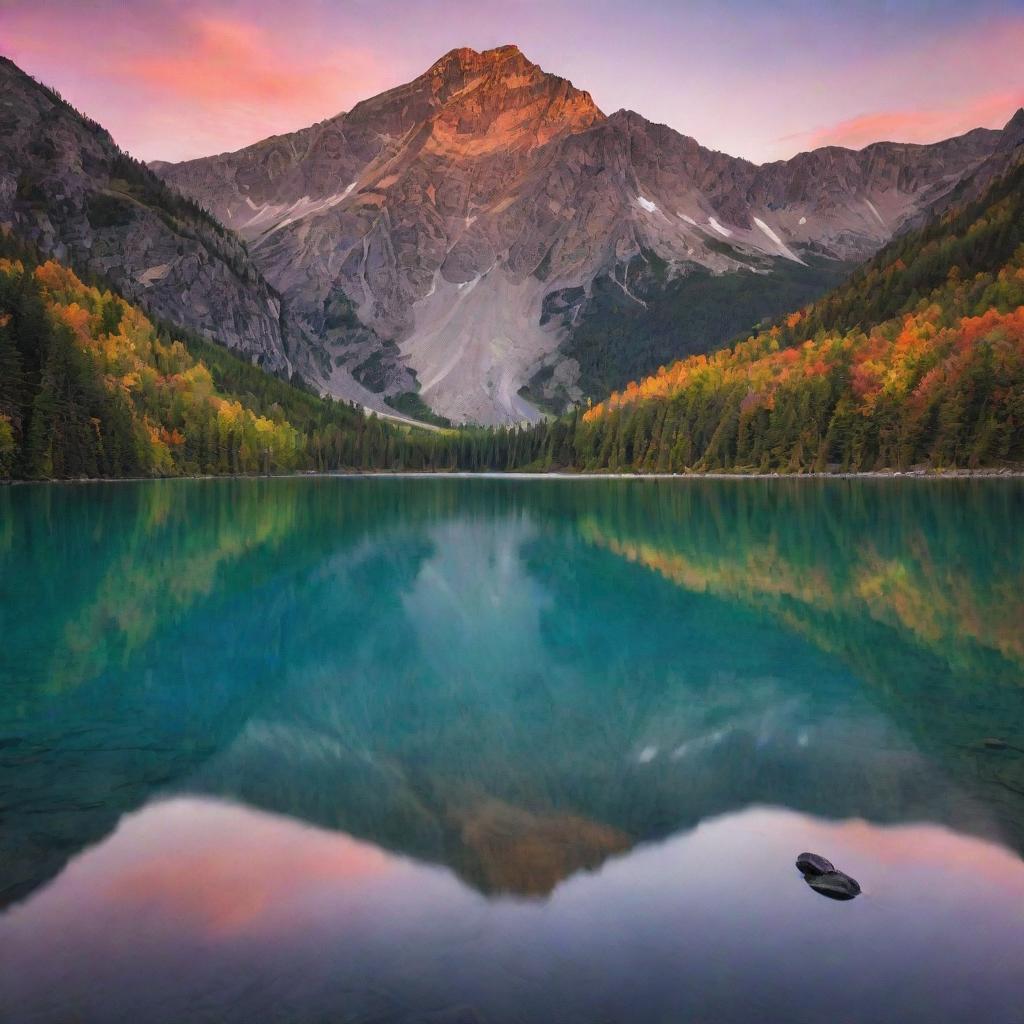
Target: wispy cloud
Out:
[225,60]
[199,82]
[930,125]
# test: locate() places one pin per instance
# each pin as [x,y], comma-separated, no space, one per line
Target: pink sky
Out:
[174,79]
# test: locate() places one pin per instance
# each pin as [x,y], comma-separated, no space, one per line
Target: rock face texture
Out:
[1006,154]
[401,208]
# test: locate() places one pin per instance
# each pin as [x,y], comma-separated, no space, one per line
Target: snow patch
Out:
[871,207]
[303,207]
[157,273]
[688,219]
[647,204]
[698,743]
[768,231]
[470,221]
[802,220]
[725,232]
[262,215]
[778,241]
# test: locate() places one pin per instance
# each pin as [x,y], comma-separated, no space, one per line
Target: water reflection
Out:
[196,908]
[482,740]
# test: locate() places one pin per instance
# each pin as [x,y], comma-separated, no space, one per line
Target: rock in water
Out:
[994,744]
[836,885]
[812,864]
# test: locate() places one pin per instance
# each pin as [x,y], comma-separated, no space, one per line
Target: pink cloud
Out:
[929,125]
[223,60]
[197,83]
[174,79]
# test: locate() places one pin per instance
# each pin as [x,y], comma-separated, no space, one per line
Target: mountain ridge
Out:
[69,190]
[66,186]
[918,360]
[465,219]
[483,239]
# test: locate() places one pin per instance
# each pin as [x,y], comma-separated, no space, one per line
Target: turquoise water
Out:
[458,750]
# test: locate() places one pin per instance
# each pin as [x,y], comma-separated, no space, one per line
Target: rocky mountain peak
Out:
[459,235]
[503,100]
[471,103]
[465,59]
[1013,133]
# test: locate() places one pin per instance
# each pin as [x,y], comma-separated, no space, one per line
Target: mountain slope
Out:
[918,359]
[66,187]
[451,235]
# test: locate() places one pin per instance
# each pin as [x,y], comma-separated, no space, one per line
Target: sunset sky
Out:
[173,80]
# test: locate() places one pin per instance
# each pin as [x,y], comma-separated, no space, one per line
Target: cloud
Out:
[224,60]
[193,82]
[174,79]
[922,125]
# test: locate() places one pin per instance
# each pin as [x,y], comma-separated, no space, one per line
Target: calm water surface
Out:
[454,751]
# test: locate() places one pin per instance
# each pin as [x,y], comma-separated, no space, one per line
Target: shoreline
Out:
[353,474]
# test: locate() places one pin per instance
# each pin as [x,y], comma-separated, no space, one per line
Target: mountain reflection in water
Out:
[369,749]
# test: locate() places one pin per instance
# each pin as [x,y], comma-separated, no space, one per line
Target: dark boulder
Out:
[812,864]
[836,885]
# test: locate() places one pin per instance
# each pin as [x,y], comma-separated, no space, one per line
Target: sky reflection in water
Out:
[361,749]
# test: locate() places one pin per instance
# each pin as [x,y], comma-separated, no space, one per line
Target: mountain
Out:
[66,187]
[1008,154]
[917,360]
[487,237]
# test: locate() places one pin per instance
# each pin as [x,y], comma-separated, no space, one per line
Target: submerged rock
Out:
[836,885]
[994,744]
[812,864]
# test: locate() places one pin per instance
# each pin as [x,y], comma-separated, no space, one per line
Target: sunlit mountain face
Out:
[395,747]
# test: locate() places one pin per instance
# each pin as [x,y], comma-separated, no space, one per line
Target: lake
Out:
[500,750]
